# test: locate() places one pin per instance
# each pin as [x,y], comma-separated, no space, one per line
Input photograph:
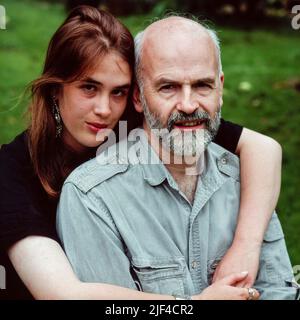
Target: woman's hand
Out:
[240,256]
[225,289]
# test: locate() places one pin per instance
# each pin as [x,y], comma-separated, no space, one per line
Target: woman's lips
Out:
[96,127]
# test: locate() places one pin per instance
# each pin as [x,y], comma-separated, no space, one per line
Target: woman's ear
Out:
[56,93]
[137,99]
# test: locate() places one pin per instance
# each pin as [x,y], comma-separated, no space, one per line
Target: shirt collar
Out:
[153,169]
[218,163]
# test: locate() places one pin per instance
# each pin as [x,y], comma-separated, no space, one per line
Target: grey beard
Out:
[190,143]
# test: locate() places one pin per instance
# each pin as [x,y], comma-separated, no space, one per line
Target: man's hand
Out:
[240,256]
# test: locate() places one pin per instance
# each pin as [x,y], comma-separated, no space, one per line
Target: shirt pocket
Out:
[275,263]
[160,274]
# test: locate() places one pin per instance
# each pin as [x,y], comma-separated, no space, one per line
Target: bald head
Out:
[174,33]
[173,26]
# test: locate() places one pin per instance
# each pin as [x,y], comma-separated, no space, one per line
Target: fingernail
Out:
[244,273]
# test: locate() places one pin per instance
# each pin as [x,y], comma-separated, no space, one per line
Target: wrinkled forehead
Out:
[181,47]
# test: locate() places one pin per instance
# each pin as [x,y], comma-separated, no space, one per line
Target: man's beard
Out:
[179,142]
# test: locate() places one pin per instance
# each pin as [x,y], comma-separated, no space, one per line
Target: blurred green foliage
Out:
[261,79]
[241,11]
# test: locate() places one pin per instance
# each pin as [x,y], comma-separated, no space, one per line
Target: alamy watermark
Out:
[2,18]
[296,19]
[135,148]
[2,278]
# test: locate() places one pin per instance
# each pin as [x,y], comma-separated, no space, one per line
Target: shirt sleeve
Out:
[275,279]
[19,214]
[228,135]
[91,240]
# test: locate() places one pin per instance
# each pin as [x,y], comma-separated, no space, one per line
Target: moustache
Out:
[197,115]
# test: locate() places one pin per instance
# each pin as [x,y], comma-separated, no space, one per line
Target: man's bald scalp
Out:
[172,25]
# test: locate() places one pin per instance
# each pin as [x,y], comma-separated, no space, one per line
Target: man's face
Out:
[182,92]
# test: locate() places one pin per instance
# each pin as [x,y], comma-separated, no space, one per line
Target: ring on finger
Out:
[251,293]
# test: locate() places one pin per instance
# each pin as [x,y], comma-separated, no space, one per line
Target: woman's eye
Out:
[89,88]
[119,93]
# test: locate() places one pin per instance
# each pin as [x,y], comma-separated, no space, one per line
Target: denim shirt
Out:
[124,221]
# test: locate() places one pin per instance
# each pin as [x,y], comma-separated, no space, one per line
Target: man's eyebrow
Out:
[210,80]
[165,80]
[161,81]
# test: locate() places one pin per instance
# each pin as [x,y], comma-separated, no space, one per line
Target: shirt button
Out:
[224,161]
[194,264]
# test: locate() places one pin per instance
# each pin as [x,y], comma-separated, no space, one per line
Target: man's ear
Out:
[221,79]
[137,99]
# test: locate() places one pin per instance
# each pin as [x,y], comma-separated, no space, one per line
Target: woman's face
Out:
[91,106]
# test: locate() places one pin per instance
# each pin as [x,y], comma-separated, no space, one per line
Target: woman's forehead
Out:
[110,66]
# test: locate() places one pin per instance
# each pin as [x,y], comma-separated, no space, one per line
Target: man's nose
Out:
[187,103]
[102,106]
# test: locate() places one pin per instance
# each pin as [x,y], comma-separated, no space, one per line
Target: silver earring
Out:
[57,118]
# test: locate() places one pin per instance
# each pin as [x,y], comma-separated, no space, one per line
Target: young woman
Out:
[84,89]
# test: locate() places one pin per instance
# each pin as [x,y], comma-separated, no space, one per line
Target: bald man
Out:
[178,192]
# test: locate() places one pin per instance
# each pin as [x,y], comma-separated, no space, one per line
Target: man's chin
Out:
[188,151]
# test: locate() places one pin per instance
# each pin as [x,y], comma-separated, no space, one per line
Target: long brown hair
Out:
[87,34]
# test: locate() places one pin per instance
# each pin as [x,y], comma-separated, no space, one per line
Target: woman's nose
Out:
[102,106]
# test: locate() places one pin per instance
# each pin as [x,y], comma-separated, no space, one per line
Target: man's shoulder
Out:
[103,167]
[224,161]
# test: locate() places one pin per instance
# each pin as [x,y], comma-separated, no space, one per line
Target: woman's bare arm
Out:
[44,268]
[260,158]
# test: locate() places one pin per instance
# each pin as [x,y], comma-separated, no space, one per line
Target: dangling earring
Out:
[57,118]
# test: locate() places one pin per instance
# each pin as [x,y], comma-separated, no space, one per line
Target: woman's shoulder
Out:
[15,154]
[16,148]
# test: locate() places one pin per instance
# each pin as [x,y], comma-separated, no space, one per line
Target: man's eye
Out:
[167,88]
[203,85]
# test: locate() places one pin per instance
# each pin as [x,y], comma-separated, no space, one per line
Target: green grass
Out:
[265,59]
